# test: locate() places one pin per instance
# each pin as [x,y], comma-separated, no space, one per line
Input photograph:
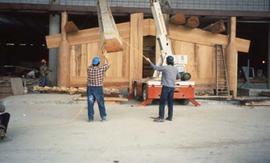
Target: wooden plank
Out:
[72,62]
[17,86]
[83,61]
[206,62]
[136,48]
[200,36]
[85,36]
[117,99]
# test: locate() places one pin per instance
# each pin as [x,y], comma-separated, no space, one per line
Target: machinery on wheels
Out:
[150,88]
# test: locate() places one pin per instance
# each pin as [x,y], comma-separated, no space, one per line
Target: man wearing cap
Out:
[95,80]
[169,76]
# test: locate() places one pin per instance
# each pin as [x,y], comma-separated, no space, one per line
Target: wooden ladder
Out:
[222,86]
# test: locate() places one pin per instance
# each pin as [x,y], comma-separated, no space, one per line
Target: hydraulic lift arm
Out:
[161,33]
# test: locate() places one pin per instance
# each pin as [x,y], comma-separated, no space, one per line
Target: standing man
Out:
[44,71]
[95,79]
[169,76]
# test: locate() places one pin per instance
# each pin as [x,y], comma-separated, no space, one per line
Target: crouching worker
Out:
[169,76]
[95,79]
[4,119]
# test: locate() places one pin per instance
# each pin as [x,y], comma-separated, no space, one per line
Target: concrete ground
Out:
[54,128]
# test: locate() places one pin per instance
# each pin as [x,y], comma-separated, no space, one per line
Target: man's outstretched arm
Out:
[155,67]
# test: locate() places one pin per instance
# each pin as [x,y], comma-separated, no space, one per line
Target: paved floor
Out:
[53,128]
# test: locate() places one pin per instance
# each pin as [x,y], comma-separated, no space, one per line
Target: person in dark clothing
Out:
[96,73]
[169,76]
[44,71]
[4,119]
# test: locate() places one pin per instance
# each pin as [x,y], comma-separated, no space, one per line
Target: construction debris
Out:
[110,92]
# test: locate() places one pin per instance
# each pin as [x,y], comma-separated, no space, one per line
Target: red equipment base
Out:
[180,92]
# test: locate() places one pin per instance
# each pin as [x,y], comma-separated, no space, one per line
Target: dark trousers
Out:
[166,96]
[4,119]
[43,81]
[95,93]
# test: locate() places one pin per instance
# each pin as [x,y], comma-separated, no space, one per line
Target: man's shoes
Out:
[158,120]
[90,120]
[103,119]
[169,119]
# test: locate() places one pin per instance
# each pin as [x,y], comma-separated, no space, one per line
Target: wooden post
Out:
[232,57]
[64,55]
[136,48]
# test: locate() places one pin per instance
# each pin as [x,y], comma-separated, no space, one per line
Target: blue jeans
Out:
[95,93]
[166,96]
[43,81]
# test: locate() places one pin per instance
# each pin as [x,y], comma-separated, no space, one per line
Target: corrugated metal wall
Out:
[240,5]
